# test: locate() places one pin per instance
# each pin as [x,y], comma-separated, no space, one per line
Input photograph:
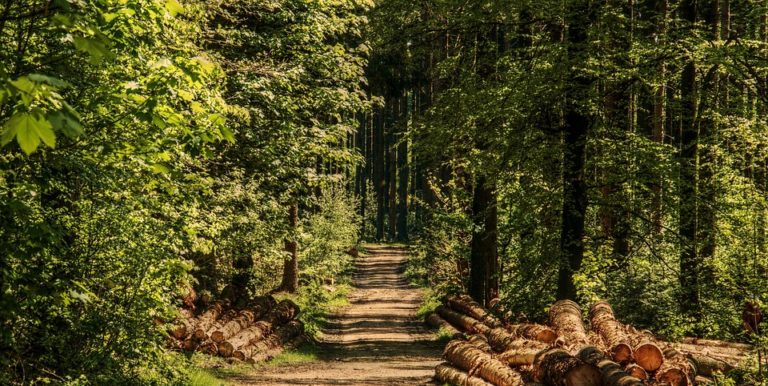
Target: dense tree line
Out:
[576,150]
[155,146]
[529,151]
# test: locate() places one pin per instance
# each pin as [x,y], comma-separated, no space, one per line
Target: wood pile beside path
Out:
[488,351]
[253,333]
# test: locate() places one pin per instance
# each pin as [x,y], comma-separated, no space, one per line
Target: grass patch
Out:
[431,301]
[444,335]
[205,377]
[307,352]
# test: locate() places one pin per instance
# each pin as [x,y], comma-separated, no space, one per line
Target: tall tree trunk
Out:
[403,170]
[379,182]
[484,261]
[690,262]
[659,120]
[290,282]
[391,170]
[577,125]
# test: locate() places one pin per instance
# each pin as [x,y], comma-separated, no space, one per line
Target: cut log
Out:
[462,322]
[481,342]
[613,373]
[181,328]
[436,321]
[708,366]
[243,338]
[208,347]
[648,355]
[470,358]
[243,319]
[281,335]
[636,371]
[616,339]
[224,318]
[469,307]
[206,320]
[282,313]
[273,352]
[446,373]
[190,344]
[730,356]
[645,349]
[533,332]
[565,319]
[718,343]
[677,369]
[702,381]
[514,351]
[558,367]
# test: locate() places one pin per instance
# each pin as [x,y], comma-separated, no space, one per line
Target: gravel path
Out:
[376,340]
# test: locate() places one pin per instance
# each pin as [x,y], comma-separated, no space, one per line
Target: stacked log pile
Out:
[258,331]
[488,351]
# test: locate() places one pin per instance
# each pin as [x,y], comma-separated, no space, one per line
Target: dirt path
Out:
[376,340]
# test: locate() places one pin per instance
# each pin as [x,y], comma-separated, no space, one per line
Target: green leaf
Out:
[26,89]
[39,78]
[67,124]
[161,168]
[108,17]
[29,130]
[227,133]
[174,7]
[91,46]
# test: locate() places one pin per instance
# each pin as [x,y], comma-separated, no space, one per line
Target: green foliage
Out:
[496,108]
[150,146]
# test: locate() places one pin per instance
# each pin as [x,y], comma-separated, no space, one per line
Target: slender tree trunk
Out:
[379,182]
[690,262]
[577,125]
[403,177]
[391,171]
[659,121]
[290,282]
[484,262]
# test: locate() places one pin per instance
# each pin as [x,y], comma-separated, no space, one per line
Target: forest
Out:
[162,156]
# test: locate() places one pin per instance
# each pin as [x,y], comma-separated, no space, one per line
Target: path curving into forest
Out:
[376,340]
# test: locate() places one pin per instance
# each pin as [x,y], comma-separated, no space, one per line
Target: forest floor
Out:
[376,340]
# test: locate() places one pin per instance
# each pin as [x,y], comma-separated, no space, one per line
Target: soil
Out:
[376,340]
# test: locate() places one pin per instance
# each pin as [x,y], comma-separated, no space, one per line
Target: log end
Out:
[225,349]
[238,355]
[583,375]
[649,356]
[672,376]
[547,336]
[200,334]
[636,371]
[621,353]
[217,336]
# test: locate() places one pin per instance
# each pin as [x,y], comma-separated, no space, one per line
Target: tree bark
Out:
[577,125]
[611,330]
[290,281]
[557,367]
[462,322]
[484,261]
[379,182]
[690,262]
[446,373]
[470,358]
[565,319]
[467,305]
[613,374]
[534,332]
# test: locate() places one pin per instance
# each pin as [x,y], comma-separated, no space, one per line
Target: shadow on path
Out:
[376,340]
